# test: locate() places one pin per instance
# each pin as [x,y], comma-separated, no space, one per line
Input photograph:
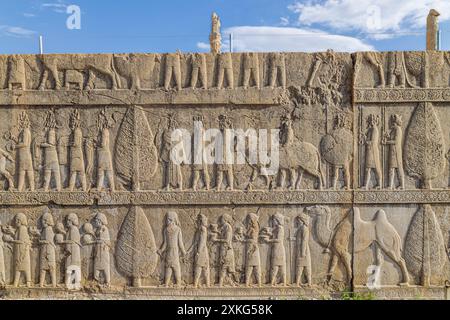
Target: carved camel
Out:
[378,232]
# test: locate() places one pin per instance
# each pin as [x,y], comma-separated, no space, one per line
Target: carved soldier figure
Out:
[226,167]
[252,256]
[278,252]
[215,39]
[372,142]
[24,154]
[395,142]
[303,258]
[277,67]
[73,249]
[225,67]
[101,249]
[51,163]
[198,70]
[21,249]
[171,247]
[200,248]
[199,170]
[47,252]
[226,252]
[76,153]
[251,68]
[173,178]
[104,158]
[4,156]
[173,69]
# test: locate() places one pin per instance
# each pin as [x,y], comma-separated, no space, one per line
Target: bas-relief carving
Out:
[118,156]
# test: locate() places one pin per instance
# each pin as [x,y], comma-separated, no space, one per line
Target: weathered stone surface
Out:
[92,204]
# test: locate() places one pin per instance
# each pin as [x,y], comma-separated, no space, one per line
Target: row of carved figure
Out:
[49,237]
[378,234]
[295,156]
[137,67]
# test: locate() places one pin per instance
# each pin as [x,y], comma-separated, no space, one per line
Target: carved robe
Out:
[395,148]
[22,246]
[173,241]
[303,258]
[47,253]
[173,170]
[51,155]
[73,247]
[278,255]
[104,153]
[226,248]
[76,151]
[372,148]
[201,259]
[101,249]
[24,152]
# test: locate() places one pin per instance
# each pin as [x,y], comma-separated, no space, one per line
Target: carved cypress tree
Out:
[424,145]
[136,255]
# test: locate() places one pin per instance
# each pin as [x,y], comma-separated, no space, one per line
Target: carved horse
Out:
[378,232]
[102,64]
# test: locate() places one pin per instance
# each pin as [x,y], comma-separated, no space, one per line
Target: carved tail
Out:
[408,81]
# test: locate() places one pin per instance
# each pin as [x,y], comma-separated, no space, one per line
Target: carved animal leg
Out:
[292,182]
[194,78]
[177,74]
[8,177]
[230,77]
[282,178]
[16,279]
[204,78]
[256,77]
[299,179]
[401,176]
[83,181]
[246,78]
[397,258]
[346,259]
[220,76]
[333,263]
[57,176]
[381,76]
[43,80]
[195,179]
[283,76]
[335,177]
[347,176]
[367,179]
[219,180]
[273,76]
[54,72]
[167,77]
[72,180]
[230,179]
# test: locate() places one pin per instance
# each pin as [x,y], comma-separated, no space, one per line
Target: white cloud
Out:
[284,21]
[370,16]
[251,38]
[58,7]
[29,15]
[14,31]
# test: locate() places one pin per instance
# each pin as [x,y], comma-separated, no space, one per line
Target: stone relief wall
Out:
[91,202]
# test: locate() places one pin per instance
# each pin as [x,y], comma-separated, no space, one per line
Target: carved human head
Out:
[20,220]
[202,220]
[252,220]
[172,218]
[303,219]
[47,219]
[72,220]
[396,119]
[225,218]
[88,228]
[100,220]
[278,219]
[372,120]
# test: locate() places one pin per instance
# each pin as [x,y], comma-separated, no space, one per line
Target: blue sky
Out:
[260,25]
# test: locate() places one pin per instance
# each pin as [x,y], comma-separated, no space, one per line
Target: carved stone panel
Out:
[225,174]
